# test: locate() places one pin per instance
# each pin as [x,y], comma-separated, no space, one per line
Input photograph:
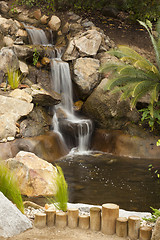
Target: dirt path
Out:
[60,234]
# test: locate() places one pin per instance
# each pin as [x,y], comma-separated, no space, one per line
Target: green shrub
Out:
[151,119]
[9,187]
[155,215]
[61,198]
[143,9]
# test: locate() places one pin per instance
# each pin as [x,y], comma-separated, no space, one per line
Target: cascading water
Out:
[61,83]
[37,36]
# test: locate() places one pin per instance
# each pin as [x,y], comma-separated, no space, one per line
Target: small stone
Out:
[37,14]
[45,61]
[3,140]
[44,19]
[9,139]
[54,23]
[8,41]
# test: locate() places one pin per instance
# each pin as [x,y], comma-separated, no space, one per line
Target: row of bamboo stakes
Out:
[108,221]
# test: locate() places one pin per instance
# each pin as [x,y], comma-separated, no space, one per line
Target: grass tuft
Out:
[61,198]
[9,187]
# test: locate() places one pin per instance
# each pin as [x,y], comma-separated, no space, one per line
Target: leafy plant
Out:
[61,198]
[154,170]
[158,143]
[14,78]
[151,119]
[155,215]
[36,56]
[9,187]
[135,75]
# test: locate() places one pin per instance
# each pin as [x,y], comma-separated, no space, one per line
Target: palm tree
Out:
[136,76]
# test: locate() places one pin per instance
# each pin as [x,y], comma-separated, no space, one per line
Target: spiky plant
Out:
[135,75]
[14,78]
[9,187]
[61,198]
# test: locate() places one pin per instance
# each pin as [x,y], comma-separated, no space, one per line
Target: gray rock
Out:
[11,110]
[8,59]
[36,123]
[107,109]
[54,23]
[156,230]
[23,68]
[4,7]
[88,42]
[86,75]
[21,94]
[12,221]
[71,52]
[23,52]
[8,41]
[8,26]
[44,98]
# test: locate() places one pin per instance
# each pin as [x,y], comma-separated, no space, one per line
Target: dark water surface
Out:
[100,178]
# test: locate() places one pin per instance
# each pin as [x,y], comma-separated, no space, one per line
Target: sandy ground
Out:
[52,233]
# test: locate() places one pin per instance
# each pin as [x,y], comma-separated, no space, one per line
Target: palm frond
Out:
[141,86]
[153,42]
[155,92]
[108,67]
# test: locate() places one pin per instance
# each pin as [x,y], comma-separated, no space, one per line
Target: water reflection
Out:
[100,178]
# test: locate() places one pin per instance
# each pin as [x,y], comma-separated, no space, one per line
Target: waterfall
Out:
[62,84]
[37,36]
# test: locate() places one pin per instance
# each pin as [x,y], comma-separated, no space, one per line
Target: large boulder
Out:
[123,144]
[49,147]
[36,123]
[107,110]
[156,230]
[8,26]
[88,42]
[35,176]
[11,110]
[12,221]
[86,75]
[8,60]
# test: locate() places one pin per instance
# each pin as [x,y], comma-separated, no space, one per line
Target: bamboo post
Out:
[121,227]
[84,222]
[110,212]
[133,227]
[145,233]
[50,217]
[40,220]
[95,218]
[61,219]
[73,218]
